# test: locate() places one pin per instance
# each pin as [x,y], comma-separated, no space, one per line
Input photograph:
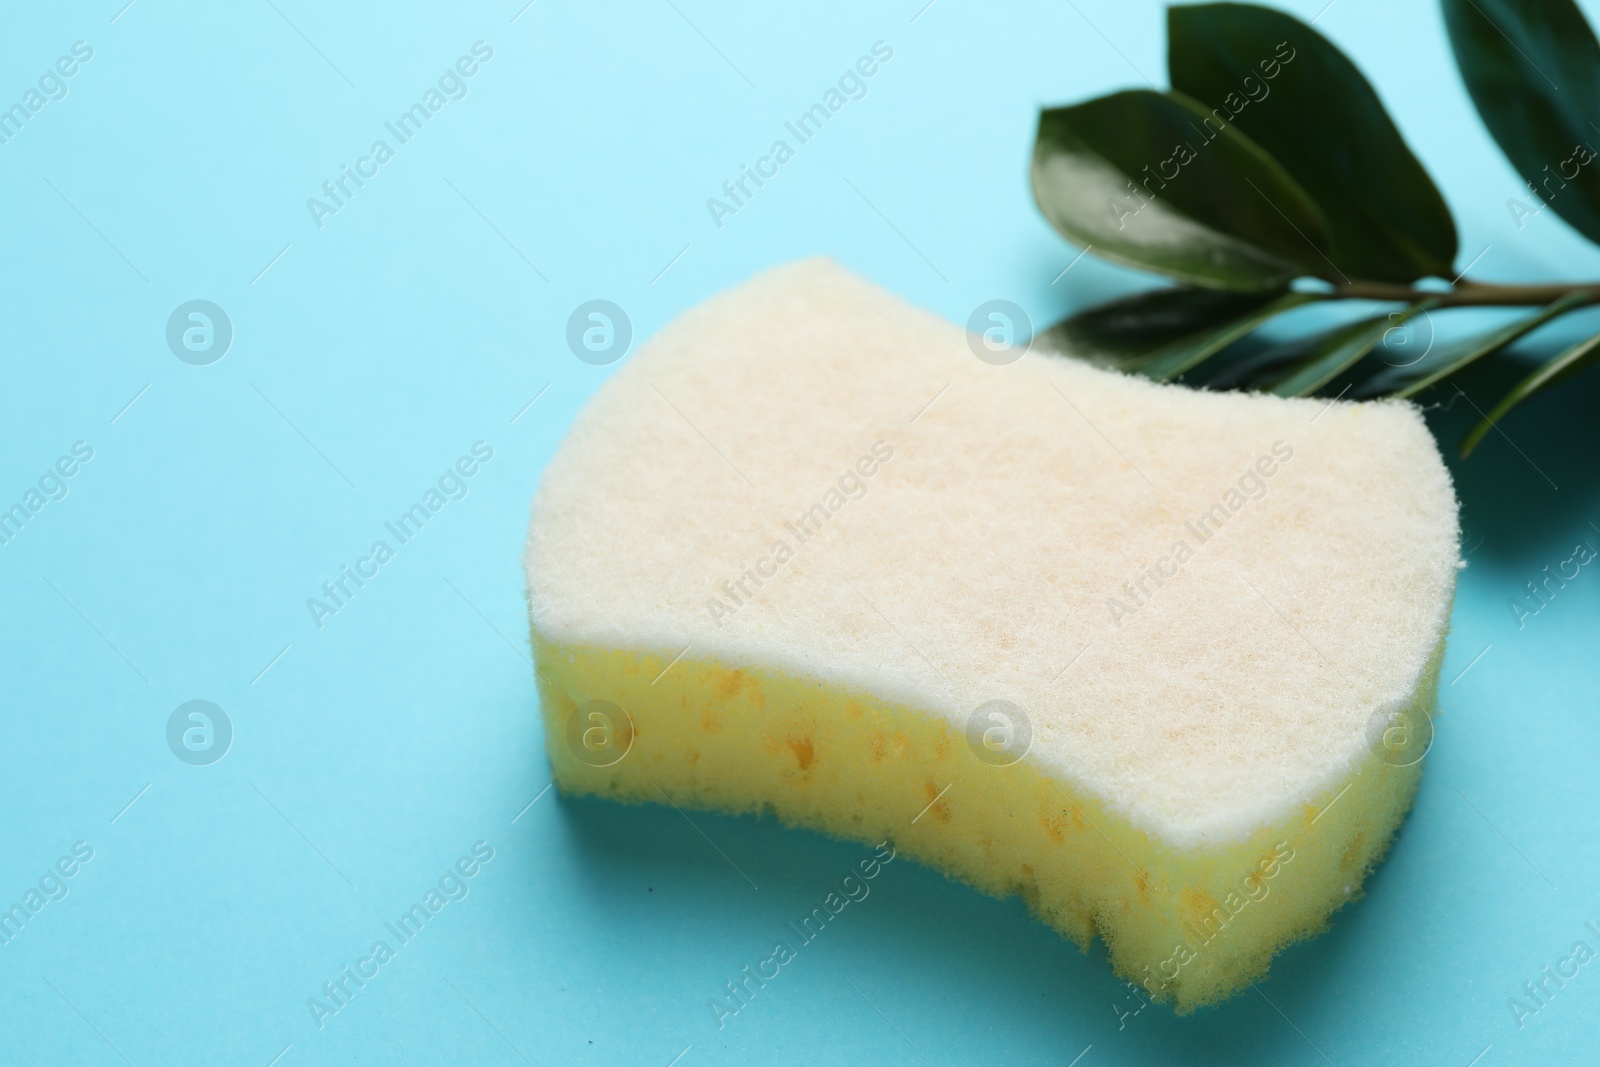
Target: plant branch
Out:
[1467,293]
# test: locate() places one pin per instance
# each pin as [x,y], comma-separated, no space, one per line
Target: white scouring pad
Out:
[1162,661]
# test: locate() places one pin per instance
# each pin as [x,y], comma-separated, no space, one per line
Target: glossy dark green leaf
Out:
[1297,96]
[1533,69]
[1183,355]
[1410,379]
[1133,177]
[1124,334]
[1255,364]
[1581,356]
[1340,349]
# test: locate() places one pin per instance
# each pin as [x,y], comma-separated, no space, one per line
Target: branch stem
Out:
[1466,293]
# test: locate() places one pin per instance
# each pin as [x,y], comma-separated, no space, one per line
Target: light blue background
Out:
[423,317]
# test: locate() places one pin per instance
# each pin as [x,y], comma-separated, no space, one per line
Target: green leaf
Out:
[1340,350]
[1533,69]
[1133,176]
[1579,357]
[1182,356]
[1406,381]
[1297,96]
[1264,363]
[1124,334]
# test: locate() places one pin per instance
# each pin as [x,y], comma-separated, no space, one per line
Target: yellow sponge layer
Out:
[1191,927]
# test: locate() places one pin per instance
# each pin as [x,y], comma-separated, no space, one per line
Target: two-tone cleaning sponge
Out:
[1158,660]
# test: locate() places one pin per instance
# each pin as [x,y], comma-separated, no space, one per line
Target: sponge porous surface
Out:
[811,546]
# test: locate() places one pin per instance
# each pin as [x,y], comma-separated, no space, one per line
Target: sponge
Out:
[1163,662]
